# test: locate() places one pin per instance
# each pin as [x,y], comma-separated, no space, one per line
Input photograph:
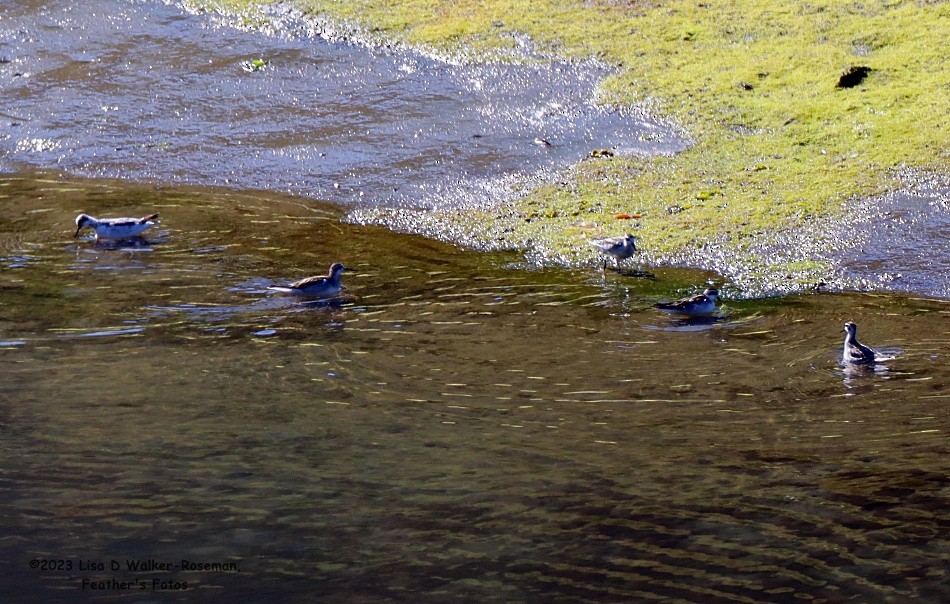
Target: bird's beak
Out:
[77,232]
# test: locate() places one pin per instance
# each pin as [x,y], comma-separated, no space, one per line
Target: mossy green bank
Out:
[779,145]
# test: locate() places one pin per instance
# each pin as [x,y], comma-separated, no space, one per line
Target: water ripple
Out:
[156,95]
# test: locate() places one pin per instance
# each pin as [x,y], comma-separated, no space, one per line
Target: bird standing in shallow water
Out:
[115,228]
[316,287]
[700,304]
[620,248]
[854,351]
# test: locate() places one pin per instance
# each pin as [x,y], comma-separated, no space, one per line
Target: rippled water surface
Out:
[449,429]
[141,90]
[902,241]
[452,428]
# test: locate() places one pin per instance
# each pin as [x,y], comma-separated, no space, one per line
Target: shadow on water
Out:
[448,429]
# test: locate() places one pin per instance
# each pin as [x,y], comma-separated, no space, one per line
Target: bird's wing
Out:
[310,281]
[686,302]
[120,222]
[859,353]
[606,244]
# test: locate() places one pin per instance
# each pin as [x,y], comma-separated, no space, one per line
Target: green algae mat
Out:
[794,111]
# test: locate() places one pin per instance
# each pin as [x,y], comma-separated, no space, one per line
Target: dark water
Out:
[451,429]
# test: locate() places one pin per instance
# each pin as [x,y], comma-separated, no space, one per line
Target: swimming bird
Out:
[315,287]
[114,228]
[700,304]
[620,248]
[854,351]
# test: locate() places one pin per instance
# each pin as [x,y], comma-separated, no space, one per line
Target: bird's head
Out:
[82,221]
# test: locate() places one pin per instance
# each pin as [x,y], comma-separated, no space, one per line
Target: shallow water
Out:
[143,91]
[901,240]
[450,429]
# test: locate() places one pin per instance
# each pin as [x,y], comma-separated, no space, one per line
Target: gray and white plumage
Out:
[700,304]
[619,248]
[114,228]
[854,351]
[320,286]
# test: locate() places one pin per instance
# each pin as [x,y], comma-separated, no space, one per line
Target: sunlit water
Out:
[902,240]
[141,90]
[450,428]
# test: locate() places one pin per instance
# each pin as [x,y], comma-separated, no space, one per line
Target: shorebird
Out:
[700,304]
[114,228]
[320,286]
[620,248]
[854,351]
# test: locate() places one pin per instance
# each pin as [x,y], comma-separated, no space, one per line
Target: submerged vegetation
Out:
[793,109]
